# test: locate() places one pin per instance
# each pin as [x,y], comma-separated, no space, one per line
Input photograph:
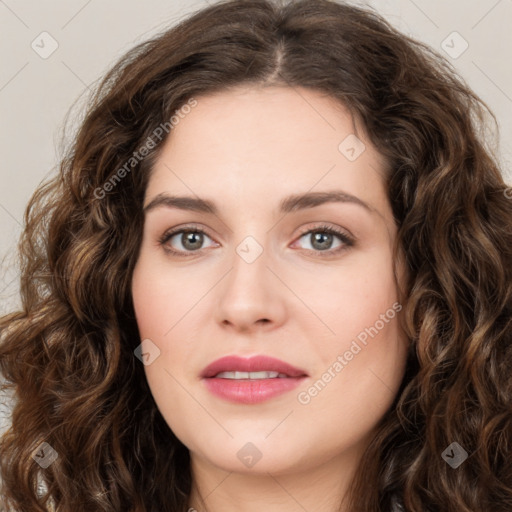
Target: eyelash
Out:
[347,240]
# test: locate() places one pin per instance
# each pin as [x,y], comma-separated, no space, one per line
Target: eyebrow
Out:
[289,204]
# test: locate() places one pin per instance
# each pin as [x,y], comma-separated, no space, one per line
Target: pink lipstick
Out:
[250,380]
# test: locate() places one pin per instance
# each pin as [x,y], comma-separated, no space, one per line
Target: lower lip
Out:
[245,391]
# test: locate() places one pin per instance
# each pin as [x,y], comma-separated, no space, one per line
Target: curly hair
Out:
[68,355]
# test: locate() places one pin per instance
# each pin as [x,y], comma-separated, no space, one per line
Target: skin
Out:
[246,149]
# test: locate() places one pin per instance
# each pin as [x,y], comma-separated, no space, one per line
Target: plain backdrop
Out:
[54,51]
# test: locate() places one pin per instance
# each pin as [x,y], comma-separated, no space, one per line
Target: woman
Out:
[273,273]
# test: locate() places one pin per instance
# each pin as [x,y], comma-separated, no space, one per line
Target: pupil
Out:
[192,240]
[324,239]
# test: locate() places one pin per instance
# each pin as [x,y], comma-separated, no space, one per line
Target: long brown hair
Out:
[68,355]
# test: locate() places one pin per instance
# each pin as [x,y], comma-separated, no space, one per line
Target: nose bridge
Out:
[250,292]
[251,237]
[249,265]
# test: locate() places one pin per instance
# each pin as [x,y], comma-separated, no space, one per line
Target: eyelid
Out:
[162,240]
[325,226]
[343,235]
[347,239]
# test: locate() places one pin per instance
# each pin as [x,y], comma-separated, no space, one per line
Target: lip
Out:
[249,391]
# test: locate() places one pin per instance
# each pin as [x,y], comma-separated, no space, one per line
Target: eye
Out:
[322,238]
[189,239]
[185,241]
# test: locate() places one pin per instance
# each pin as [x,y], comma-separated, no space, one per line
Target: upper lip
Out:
[251,364]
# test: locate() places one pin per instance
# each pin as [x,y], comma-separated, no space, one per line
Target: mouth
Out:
[250,375]
[250,380]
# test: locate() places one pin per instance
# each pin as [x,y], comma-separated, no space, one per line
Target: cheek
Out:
[161,297]
[157,311]
[161,303]
[352,297]
[364,354]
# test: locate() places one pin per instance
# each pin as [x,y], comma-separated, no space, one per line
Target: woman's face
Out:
[268,278]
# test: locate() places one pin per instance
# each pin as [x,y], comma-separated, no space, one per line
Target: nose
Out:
[251,296]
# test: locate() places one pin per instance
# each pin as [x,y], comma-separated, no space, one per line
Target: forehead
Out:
[271,119]
[250,144]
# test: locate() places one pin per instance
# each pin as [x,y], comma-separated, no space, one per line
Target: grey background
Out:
[36,93]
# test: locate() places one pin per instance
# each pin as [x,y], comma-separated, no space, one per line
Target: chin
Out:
[254,454]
